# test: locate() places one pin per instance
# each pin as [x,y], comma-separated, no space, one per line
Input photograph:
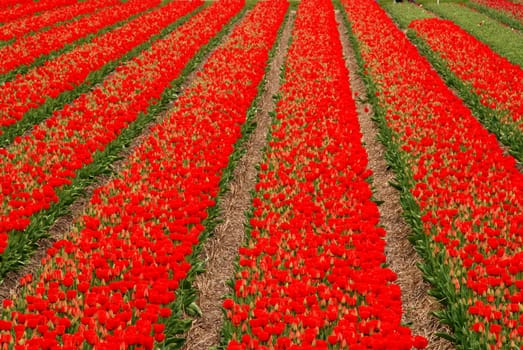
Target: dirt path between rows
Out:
[64,224]
[401,256]
[221,249]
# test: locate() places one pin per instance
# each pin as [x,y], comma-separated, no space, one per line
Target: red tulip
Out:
[465,189]
[314,226]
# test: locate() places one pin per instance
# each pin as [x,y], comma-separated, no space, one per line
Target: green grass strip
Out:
[404,13]
[508,134]
[502,39]
[497,15]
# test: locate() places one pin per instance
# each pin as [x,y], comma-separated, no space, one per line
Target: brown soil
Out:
[401,257]
[221,249]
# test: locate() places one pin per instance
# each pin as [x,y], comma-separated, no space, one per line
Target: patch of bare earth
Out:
[64,224]
[401,257]
[221,249]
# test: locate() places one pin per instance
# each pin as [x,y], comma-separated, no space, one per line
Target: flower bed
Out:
[303,279]
[496,82]
[26,50]
[462,196]
[115,282]
[29,8]
[497,31]
[13,3]
[68,71]
[29,24]
[37,166]
[510,8]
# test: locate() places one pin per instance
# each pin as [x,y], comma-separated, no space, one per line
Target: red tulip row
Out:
[311,274]
[462,195]
[29,24]
[28,9]
[39,164]
[114,282]
[513,9]
[69,70]
[26,50]
[497,82]
[13,3]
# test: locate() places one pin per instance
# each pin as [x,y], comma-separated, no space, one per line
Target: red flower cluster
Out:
[13,3]
[28,8]
[497,82]
[25,50]
[111,283]
[511,8]
[468,195]
[38,164]
[311,274]
[70,69]
[26,25]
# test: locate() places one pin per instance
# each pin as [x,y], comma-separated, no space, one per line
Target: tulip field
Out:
[124,125]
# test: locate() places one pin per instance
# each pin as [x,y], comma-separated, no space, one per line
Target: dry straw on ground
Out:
[221,249]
